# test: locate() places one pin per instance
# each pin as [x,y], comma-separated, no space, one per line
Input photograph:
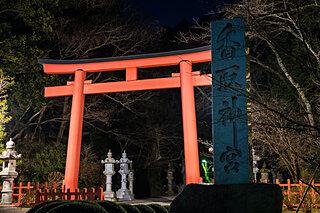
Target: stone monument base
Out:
[228,198]
[4,207]
[124,194]
[110,195]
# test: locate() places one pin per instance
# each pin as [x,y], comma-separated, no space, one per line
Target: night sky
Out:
[171,12]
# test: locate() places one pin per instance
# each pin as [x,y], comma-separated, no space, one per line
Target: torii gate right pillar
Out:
[191,153]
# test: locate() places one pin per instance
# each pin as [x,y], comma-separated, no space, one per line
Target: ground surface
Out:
[166,200]
[158,200]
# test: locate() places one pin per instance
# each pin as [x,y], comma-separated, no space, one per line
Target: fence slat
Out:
[68,194]
[28,193]
[312,192]
[12,192]
[289,190]
[20,193]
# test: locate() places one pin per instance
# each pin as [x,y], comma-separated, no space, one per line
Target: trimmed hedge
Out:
[167,207]
[129,208]
[35,208]
[158,208]
[51,205]
[104,206]
[78,207]
[145,209]
[111,207]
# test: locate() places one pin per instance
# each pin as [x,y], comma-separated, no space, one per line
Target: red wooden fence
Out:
[91,195]
[31,195]
[293,192]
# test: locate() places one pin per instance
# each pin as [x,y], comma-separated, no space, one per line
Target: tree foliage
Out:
[75,30]
[283,42]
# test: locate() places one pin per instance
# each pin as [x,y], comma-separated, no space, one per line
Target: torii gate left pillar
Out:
[75,132]
[186,79]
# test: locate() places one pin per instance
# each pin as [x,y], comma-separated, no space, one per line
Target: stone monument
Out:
[8,173]
[232,190]
[109,172]
[124,193]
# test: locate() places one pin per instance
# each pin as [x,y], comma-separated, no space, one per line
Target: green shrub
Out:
[158,208]
[111,207]
[167,207]
[36,207]
[78,207]
[129,208]
[51,205]
[145,209]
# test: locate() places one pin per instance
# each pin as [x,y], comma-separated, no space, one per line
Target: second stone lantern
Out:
[124,193]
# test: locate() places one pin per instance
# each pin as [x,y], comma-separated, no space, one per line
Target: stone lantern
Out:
[255,159]
[170,179]
[131,179]
[8,172]
[109,172]
[264,173]
[123,193]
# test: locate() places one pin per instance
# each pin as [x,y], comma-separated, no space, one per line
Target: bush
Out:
[111,207]
[78,207]
[167,207]
[158,208]
[129,208]
[145,209]
[51,205]
[36,207]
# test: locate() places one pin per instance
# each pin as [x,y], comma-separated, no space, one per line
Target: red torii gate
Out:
[80,87]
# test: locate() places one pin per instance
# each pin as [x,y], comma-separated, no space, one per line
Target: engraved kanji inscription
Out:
[227,78]
[227,43]
[230,158]
[229,111]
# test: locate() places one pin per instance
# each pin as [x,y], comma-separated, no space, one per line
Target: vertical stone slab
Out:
[230,128]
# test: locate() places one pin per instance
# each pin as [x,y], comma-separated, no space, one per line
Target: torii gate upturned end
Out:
[186,79]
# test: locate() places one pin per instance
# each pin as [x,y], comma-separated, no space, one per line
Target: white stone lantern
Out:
[255,159]
[123,193]
[8,172]
[109,172]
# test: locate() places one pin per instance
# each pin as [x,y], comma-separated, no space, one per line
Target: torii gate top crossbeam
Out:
[130,64]
[195,55]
